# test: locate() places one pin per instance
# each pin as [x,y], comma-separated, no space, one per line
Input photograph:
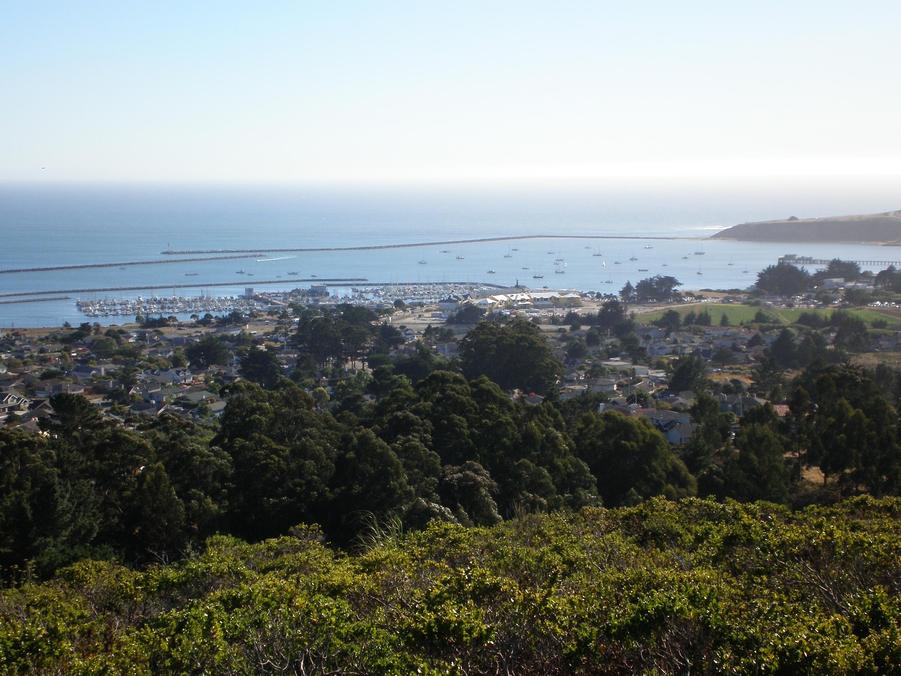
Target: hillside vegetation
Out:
[664,587]
[884,227]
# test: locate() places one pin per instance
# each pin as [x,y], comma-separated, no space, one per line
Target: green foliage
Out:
[783,279]
[688,374]
[656,288]
[207,351]
[630,459]
[513,354]
[694,586]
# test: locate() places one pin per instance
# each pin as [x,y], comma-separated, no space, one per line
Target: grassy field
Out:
[738,313]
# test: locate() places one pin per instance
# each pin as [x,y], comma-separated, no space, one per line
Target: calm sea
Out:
[62,225]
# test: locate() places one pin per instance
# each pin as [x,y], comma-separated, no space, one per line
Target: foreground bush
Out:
[666,587]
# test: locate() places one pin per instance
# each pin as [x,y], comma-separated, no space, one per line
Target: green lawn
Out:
[738,313]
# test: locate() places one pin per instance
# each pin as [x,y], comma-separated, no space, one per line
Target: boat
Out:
[648,246]
[537,276]
[684,258]
[422,262]
[491,272]
[525,267]
[508,254]
[642,269]
[617,263]
[597,253]
[632,258]
[459,258]
[700,253]
[515,249]
[241,272]
[608,281]
[293,273]
[444,251]
[191,274]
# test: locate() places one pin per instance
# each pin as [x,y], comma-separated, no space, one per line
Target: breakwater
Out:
[317,280]
[123,264]
[194,285]
[205,255]
[410,245]
[33,300]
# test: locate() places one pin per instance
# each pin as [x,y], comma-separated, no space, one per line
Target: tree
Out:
[513,354]
[369,481]
[468,314]
[783,350]
[627,293]
[630,459]
[670,321]
[783,279]
[837,268]
[207,351]
[261,366]
[689,373]
[757,470]
[658,287]
[469,491]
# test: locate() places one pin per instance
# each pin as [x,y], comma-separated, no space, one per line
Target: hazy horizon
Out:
[408,93]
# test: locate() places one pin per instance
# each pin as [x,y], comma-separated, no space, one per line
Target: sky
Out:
[427,91]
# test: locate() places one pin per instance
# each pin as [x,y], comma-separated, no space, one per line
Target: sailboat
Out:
[597,252]
[508,254]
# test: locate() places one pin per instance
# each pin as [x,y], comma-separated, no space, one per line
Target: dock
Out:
[792,259]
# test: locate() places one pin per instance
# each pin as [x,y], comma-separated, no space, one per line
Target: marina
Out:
[173,305]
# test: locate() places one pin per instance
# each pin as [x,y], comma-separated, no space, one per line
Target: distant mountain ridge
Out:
[884,228]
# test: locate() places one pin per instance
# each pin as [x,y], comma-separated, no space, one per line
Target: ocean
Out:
[80,224]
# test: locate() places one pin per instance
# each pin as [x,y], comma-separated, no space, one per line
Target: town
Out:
[623,349]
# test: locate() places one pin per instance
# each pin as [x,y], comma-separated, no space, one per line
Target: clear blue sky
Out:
[403,91]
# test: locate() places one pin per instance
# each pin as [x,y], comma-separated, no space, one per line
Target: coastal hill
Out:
[884,228]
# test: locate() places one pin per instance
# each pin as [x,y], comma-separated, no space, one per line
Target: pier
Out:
[792,259]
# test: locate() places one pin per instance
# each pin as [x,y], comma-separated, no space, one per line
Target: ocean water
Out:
[77,224]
